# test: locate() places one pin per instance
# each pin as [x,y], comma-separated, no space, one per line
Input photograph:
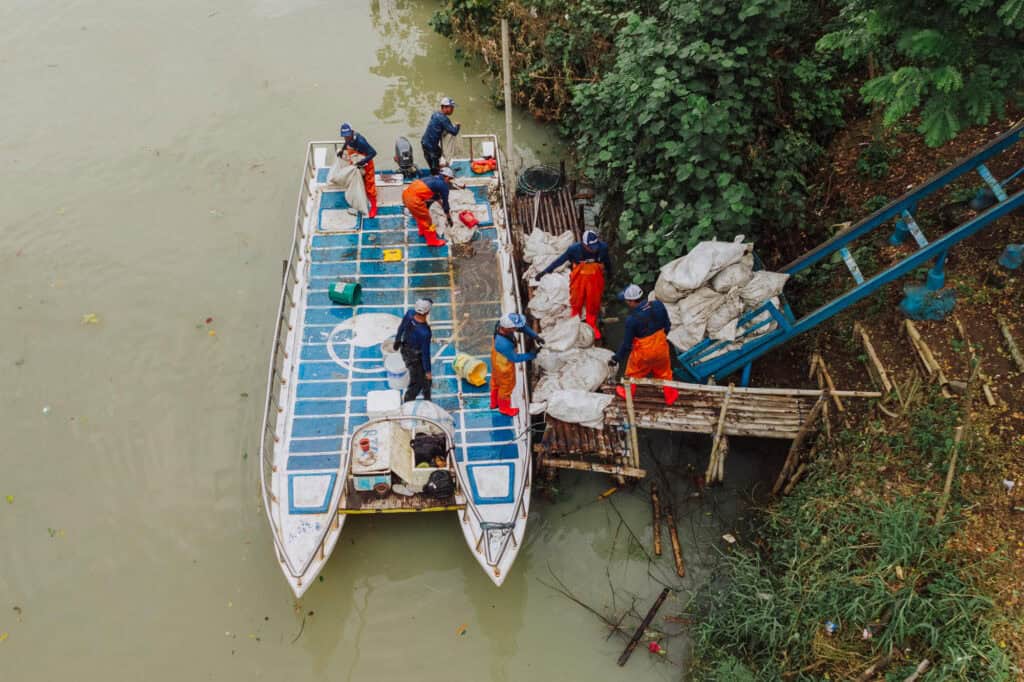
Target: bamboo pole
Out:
[711,475]
[746,390]
[823,372]
[596,467]
[795,478]
[634,444]
[921,669]
[949,474]
[794,449]
[673,535]
[927,358]
[1011,344]
[656,512]
[506,72]
[643,626]
[986,385]
[869,348]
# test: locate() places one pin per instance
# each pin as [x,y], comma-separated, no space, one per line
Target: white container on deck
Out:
[384,403]
[398,374]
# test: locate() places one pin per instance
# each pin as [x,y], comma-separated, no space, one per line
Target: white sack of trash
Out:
[579,407]
[706,292]
[540,249]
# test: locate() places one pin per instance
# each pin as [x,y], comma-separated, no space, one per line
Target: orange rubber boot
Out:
[621,391]
[373,207]
[505,407]
[494,398]
[432,240]
[671,394]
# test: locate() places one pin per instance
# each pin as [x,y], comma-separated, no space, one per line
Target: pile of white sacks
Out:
[572,367]
[705,293]
[710,288]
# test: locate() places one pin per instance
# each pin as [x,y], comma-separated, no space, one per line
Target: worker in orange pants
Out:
[645,342]
[503,359]
[591,266]
[357,150]
[417,198]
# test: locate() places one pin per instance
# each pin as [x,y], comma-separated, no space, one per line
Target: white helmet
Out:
[448,172]
[447,102]
[632,293]
[423,306]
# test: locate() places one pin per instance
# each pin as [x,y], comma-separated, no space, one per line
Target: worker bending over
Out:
[503,359]
[413,339]
[418,196]
[591,267]
[645,342]
[357,144]
[438,125]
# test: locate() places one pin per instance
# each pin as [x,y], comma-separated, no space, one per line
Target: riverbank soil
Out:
[864,170]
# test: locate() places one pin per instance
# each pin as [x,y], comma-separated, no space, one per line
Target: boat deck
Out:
[334,375]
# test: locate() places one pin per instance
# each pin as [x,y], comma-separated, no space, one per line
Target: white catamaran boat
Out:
[336,440]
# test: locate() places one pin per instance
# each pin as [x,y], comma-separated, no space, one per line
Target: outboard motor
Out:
[403,157]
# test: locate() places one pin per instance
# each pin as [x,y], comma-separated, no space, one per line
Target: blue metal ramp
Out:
[718,359]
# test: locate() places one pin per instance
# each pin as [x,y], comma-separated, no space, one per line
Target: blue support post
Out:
[899,235]
[745,377]
[937,275]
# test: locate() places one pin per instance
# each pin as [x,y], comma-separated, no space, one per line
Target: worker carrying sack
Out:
[440,485]
[427,446]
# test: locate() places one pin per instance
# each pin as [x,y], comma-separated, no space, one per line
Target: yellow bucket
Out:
[469,368]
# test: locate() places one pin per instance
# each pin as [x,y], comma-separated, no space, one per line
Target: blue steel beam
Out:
[918,258]
[907,201]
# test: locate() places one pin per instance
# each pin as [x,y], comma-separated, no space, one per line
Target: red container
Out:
[468,219]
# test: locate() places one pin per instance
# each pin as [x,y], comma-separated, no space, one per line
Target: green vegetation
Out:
[952,62]
[861,551]
[701,118]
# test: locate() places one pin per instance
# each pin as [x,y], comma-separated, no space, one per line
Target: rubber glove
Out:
[612,362]
[396,345]
[540,342]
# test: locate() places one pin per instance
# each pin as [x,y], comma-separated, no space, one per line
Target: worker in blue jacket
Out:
[591,268]
[413,339]
[356,146]
[439,124]
[503,359]
[645,342]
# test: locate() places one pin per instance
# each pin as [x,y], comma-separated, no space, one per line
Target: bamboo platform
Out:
[721,411]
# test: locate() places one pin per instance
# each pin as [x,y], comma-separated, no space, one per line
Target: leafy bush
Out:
[704,124]
[953,62]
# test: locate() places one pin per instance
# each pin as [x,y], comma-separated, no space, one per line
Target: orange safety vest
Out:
[650,356]
[503,373]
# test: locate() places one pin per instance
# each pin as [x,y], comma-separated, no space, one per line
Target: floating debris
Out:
[461,630]
[10,500]
[90,318]
[46,409]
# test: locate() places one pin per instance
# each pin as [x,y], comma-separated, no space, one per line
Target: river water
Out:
[149,162]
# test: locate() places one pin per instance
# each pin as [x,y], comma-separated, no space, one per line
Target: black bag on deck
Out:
[440,484]
[427,446]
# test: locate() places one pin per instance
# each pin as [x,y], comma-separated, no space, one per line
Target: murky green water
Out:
[149,161]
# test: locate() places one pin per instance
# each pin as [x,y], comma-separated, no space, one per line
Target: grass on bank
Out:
[856,545]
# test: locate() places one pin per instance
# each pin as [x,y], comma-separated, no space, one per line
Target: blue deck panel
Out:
[318,445]
[480,453]
[321,241]
[304,408]
[312,462]
[330,400]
